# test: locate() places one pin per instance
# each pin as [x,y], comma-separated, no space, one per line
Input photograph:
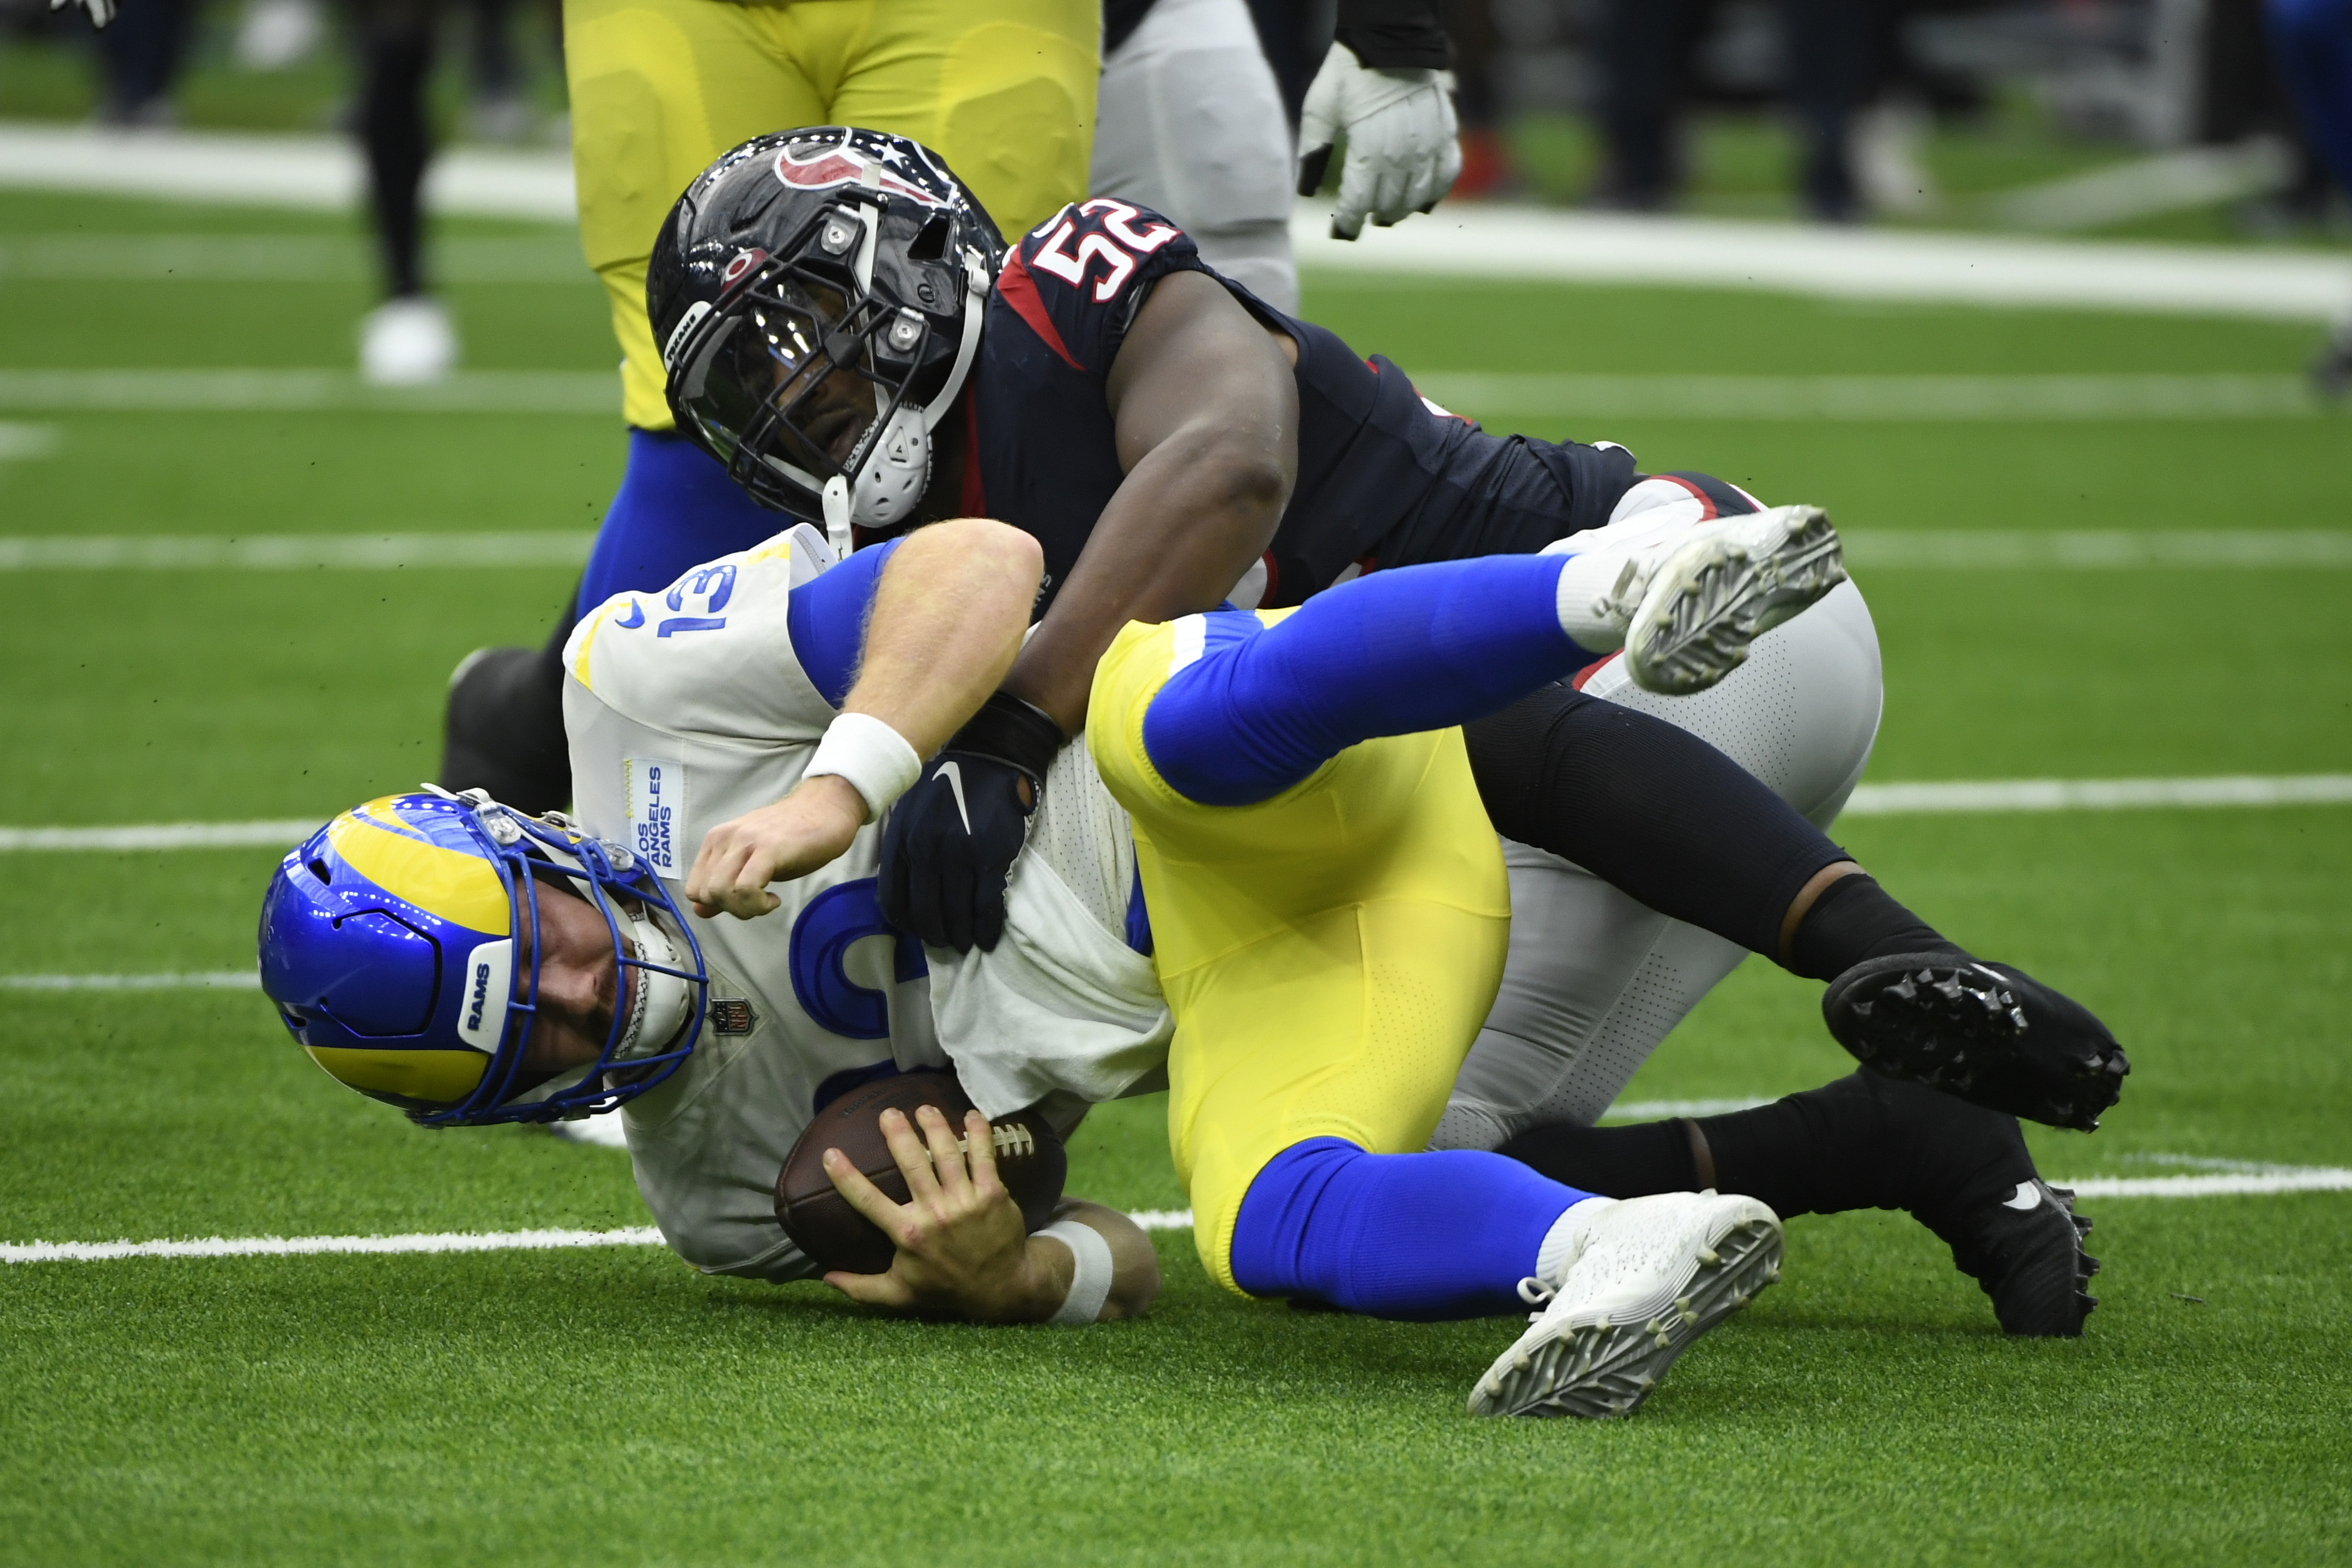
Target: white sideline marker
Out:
[278,833]
[2098,795]
[209,980]
[325,173]
[2274,1180]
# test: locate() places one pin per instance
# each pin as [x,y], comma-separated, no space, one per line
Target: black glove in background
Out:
[948,845]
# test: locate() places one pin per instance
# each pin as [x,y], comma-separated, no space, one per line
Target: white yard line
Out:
[292,552]
[204,980]
[2096,550]
[2097,794]
[279,259]
[1872,550]
[280,833]
[2278,1180]
[1934,398]
[322,174]
[235,390]
[1460,239]
[1660,1110]
[1957,798]
[299,1246]
[1534,244]
[1591,400]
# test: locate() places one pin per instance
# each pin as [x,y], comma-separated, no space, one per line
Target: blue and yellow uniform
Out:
[1329,912]
[1003,89]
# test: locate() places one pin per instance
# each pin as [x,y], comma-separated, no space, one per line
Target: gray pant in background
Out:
[1189,124]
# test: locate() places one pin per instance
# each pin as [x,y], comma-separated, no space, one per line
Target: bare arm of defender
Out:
[949,612]
[1206,407]
[960,1240]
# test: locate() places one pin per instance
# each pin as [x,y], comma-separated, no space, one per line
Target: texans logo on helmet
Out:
[834,165]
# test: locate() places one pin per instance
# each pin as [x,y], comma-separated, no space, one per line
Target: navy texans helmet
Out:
[401,945]
[817,295]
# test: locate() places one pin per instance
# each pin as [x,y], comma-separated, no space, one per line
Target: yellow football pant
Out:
[1328,954]
[1003,90]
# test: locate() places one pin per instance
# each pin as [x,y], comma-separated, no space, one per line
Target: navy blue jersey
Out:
[1385,478]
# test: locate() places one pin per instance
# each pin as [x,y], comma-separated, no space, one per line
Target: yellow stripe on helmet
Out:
[455,886]
[438,1078]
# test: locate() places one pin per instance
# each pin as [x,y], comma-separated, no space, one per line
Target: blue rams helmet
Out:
[818,297]
[390,940]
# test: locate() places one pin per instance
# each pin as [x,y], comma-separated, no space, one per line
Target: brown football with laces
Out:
[1030,1161]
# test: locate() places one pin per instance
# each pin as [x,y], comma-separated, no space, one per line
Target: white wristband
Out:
[1090,1280]
[875,758]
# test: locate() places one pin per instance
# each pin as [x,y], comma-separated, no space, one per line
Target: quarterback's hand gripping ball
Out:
[951,839]
[1026,1153]
[1404,148]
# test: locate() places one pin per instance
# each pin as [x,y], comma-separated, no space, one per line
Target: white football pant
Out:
[1594,980]
[1189,124]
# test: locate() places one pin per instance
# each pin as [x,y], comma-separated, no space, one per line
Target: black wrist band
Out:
[1015,731]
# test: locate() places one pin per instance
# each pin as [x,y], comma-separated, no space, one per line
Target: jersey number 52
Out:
[1057,256]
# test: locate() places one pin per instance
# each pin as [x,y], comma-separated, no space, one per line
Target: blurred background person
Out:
[410,338]
[1832,54]
[2314,53]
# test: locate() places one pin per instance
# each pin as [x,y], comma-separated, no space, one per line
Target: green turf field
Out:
[608,1405]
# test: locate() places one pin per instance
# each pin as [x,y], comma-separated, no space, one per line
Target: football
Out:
[1029,1160]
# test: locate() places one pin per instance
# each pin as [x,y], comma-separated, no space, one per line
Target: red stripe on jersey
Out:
[976,498]
[1020,292]
[1595,668]
[1705,500]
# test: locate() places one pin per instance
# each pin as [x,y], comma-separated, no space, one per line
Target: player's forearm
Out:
[947,617]
[1192,516]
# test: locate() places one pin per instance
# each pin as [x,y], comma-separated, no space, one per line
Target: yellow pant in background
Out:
[1328,954]
[1003,90]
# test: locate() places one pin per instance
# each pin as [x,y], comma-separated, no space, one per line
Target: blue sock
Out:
[1423,1237]
[1422,648]
[676,509]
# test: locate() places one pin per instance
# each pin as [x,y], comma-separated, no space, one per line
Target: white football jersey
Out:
[685,709]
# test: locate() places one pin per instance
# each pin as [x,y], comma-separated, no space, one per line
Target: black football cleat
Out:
[1985,1033]
[2026,1252]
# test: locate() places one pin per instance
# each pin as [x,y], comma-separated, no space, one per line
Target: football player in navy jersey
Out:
[844,329]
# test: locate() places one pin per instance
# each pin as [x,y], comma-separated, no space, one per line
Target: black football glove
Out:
[951,840]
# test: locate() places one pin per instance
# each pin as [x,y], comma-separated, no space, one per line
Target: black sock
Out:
[1616,1162]
[1867,1141]
[1863,1141]
[1854,919]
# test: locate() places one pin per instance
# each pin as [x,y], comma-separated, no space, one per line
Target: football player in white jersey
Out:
[751,679]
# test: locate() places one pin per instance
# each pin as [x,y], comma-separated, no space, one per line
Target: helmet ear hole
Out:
[930,241]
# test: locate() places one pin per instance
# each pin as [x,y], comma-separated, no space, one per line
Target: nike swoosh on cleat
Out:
[2028,1195]
[954,774]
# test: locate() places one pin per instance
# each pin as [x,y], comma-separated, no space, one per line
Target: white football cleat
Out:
[1691,611]
[407,342]
[1655,1274]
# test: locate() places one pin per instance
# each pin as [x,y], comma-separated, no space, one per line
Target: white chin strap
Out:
[897,469]
[659,1001]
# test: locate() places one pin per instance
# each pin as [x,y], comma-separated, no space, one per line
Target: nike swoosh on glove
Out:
[101,12]
[951,839]
[1404,149]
